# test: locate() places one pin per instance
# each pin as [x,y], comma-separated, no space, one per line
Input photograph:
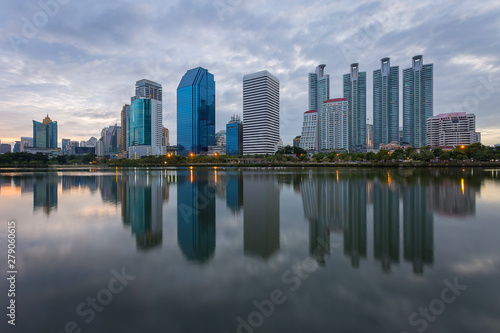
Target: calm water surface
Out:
[254,250]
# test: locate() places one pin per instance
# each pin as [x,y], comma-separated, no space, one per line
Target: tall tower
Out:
[124,116]
[417,101]
[319,88]
[45,133]
[355,93]
[195,112]
[385,104]
[261,113]
[144,125]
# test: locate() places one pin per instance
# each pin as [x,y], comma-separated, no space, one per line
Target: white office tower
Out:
[334,125]
[309,135]
[452,129]
[144,128]
[261,113]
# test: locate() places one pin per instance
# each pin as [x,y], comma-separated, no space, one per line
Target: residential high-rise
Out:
[195,112]
[144,125]
[451,129]
[310,131]
[261,113]
[417,101]
[234,136]
[334,125]
[124,116]
[319,88]
[355,93]
[45,133]
[385,104]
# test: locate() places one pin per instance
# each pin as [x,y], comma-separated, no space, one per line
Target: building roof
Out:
[310,111]
[335,100]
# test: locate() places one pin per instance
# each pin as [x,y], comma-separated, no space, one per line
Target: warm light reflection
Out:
[463,186]
[192,177]
[215,175]
[10,190]
[337,175]
[389,178]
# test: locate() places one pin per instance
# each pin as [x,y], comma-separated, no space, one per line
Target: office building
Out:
[26,142]
[334,125]
[64,144]
[451,129]
[195,112]
[385,104]
[17,147]
[261,113]
[355,93]
[296,141]
[310,131]
[417,101]
[45,133]
[5,148]
[124,117]
[234,136]
[144,125]
[111,141]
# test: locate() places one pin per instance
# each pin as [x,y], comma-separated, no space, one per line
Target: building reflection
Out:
[454,197]
[386,221]
[141,198]
[418,224]
[355,227]
[234,190]
[45,193]
[261,202]
[196,214]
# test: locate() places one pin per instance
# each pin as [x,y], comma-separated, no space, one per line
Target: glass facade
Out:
[195,112]
[45,134]
[355,93]
[234,138]
[139,126]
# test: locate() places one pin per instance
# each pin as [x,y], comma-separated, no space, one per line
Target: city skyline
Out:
[83,83]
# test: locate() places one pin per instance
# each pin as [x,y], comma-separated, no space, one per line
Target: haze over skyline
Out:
[79,62]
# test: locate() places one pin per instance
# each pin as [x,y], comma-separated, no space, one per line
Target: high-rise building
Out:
[64,144]
[417,101]
[369,135]
[45,133]
[165,137]
[385,104]
[319,88]
[261,113]
[17,147]
[5,148]
[124,117]
[355,93]
[451,129]
[111,137]
[144,125]
[234,136]
[26,142]
[334,125]
[195,112]
[310,131]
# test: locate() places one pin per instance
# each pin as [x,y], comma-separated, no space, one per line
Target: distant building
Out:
[310,131]
[111,142]
[319,88]
[5,148]
[124,116]
[261,113]
[64,143]
[417,101]
[84,150]
[334,125]
[369,135]
[355,93]
[144,125]
[165,137]
[26,142]
[385,103]
[45,133]
[220,138]
[452,129]
[296,141]
[234,136]
[17,147]
[195,112]
[91,142]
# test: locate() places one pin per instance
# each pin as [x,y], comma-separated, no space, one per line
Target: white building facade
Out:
[452,129]
[334,125]
[309,135]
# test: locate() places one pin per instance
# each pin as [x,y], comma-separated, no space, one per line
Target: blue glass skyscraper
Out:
[355,93]
[45,133]
[234,136]
[139,125]
[195,112]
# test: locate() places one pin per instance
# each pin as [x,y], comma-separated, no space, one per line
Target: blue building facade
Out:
[139,126]
[234,137]
[45,133]
[195,112]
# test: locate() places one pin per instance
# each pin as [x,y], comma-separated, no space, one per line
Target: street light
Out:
[216,154]
[191,155]
[169,155]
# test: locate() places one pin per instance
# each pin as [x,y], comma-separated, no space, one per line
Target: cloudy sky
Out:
[78,60]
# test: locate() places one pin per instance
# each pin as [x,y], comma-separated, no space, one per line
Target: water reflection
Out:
[261,205]
[45,193]
[196,214]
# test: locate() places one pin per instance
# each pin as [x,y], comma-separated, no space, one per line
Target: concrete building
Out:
[165,137]
[261,113]
[310,131]
[452,129]
[26,142]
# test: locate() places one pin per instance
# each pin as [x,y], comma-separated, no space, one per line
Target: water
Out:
[254,250]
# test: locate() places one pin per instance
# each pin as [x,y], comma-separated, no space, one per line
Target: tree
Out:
[383,155]
[319,156]
[409,151]
[398,154]
[88,158]
[371,156]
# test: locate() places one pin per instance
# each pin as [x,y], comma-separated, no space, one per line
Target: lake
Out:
[208,249]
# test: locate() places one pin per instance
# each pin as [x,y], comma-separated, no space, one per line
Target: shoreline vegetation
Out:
[474,155]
